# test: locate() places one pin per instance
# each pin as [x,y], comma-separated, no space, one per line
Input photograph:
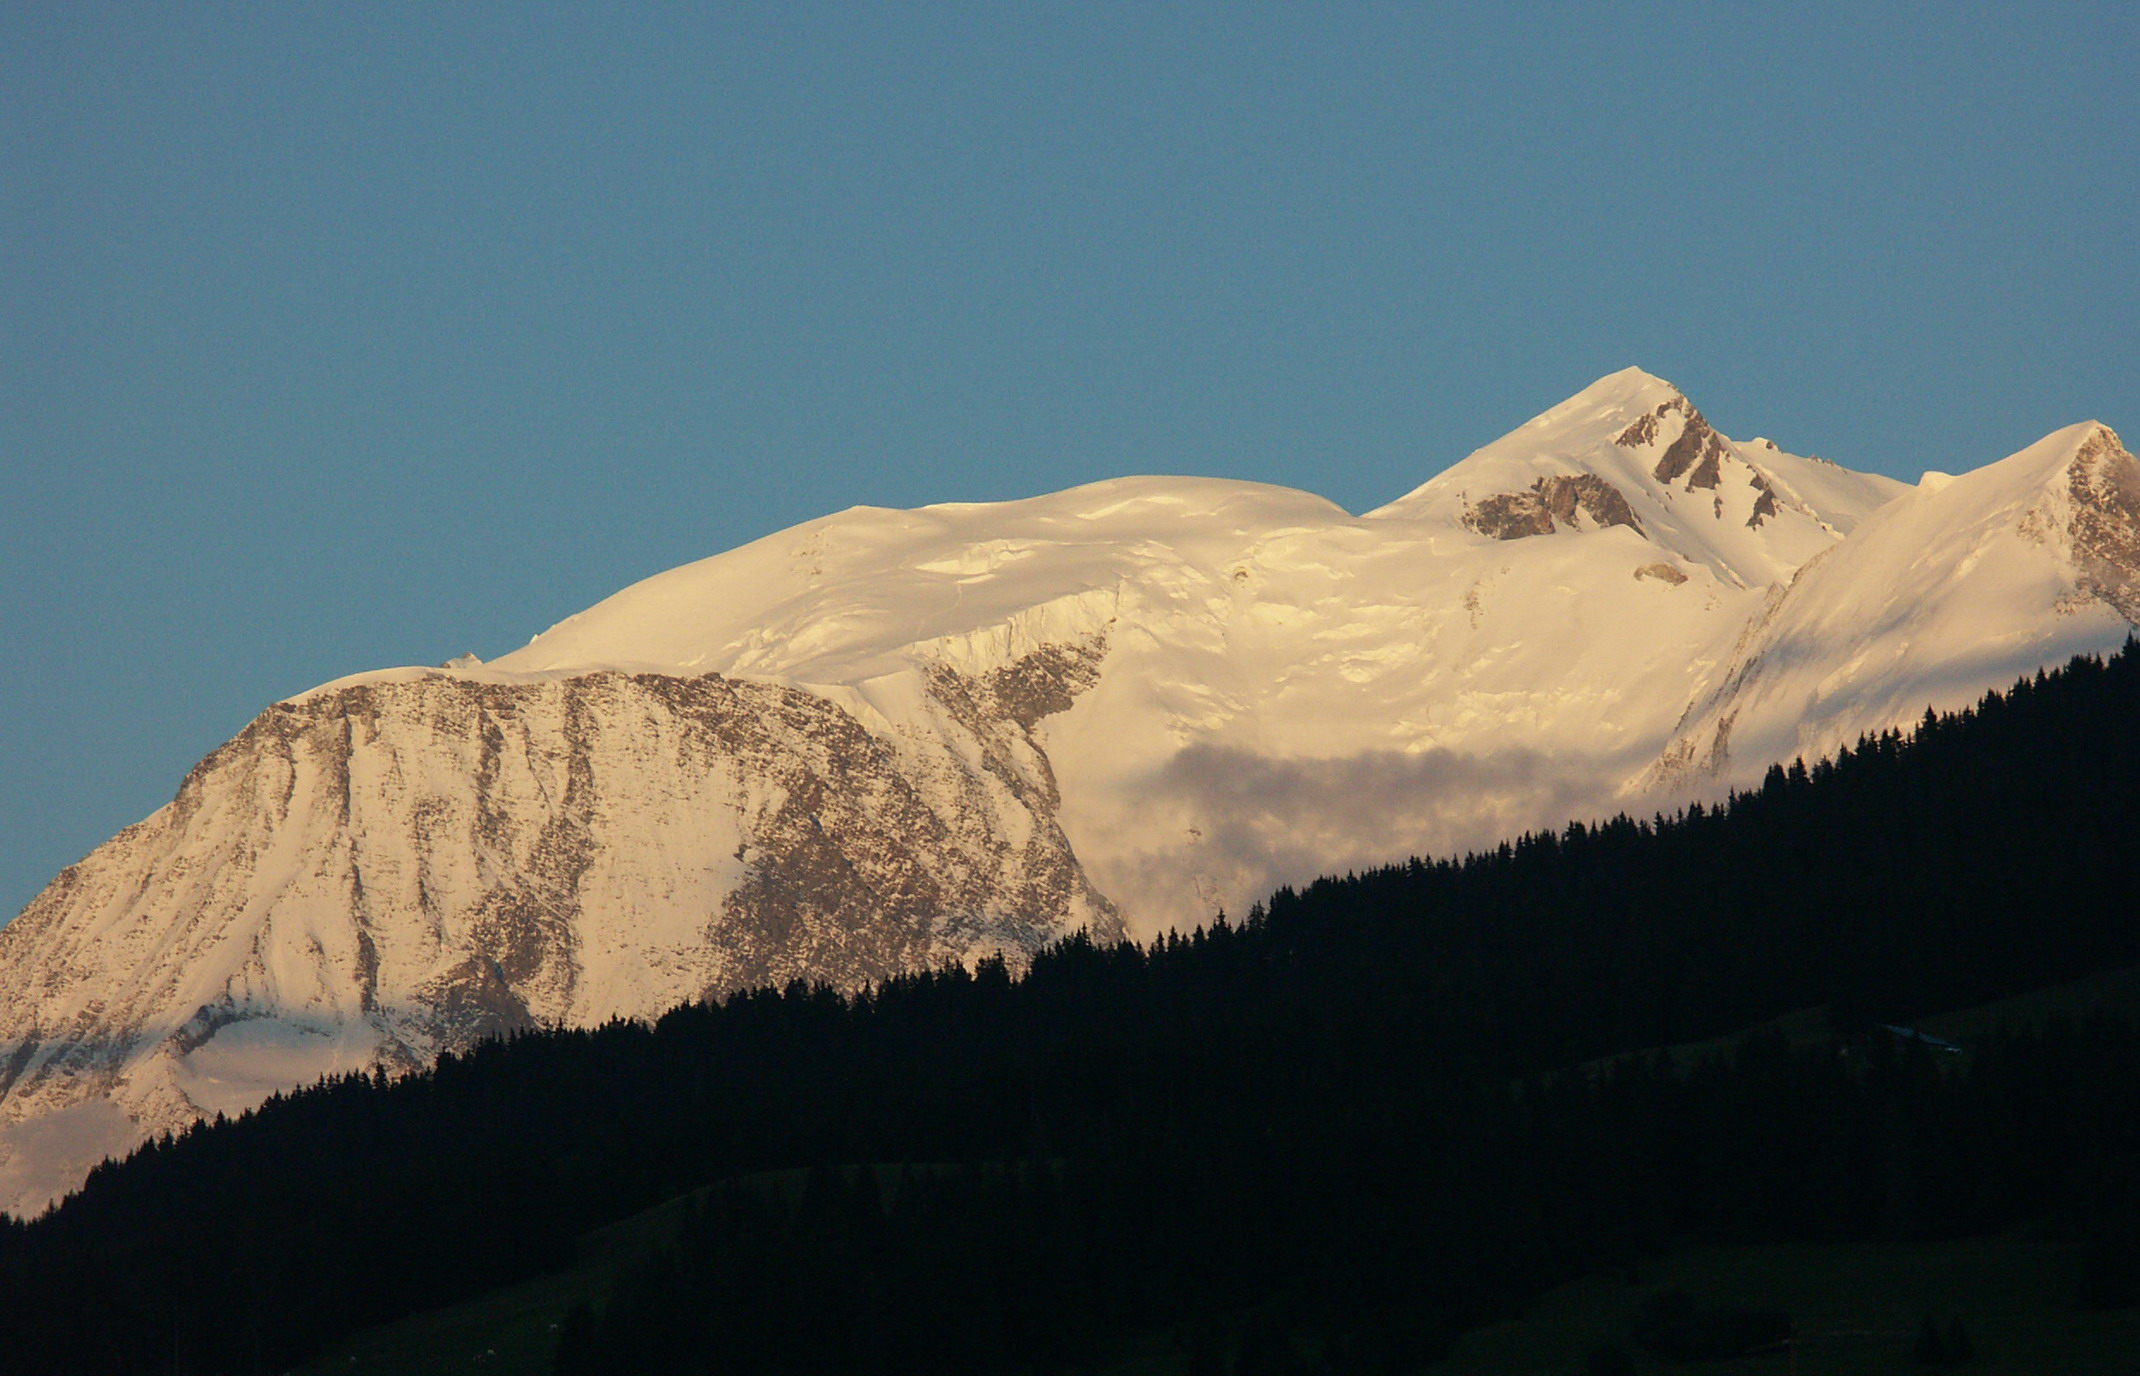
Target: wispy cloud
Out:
[1238,824]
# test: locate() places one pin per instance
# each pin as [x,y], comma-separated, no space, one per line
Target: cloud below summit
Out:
[1258,822]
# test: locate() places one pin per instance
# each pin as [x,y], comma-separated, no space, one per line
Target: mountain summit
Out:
[883,739]
[1631,450]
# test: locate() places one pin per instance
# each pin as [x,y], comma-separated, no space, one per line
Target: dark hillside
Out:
[1981,857]
[1307,1118]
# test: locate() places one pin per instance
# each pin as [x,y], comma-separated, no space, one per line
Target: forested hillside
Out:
[1349,1116]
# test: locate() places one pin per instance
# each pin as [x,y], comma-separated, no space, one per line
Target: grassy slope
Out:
[2110,991]
[510,1331]
[1858,1308]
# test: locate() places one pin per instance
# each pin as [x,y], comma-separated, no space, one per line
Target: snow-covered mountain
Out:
[885,738]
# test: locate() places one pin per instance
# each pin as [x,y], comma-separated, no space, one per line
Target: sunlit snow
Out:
[1611,607]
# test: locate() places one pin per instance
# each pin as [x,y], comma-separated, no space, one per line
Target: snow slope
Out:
[1963,583]
[1287,688]
[890,737]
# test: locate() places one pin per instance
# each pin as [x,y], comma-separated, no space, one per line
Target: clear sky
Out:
[337,336]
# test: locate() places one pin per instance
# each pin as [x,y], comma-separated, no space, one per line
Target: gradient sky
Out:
[339,336]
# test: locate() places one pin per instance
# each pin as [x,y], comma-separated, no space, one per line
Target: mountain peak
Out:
[1625,394]
[1631,451]
[2085,463]
[2102,484]
[1628,384]
[1571,437]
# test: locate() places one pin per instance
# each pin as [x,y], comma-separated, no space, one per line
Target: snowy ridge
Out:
[884,738]
[1961,584]
[851,596]
[1670,475]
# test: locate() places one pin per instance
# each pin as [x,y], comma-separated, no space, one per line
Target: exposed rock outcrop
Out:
[1551,504]
[1697,452]
[2103,482]
[376,874]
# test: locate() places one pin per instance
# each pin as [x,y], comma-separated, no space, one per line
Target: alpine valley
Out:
[884,740]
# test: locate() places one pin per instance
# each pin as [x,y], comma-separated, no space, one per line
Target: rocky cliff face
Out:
[889,738]
[381,872]
[2101,523]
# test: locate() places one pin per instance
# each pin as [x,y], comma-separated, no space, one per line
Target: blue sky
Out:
[338,336]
